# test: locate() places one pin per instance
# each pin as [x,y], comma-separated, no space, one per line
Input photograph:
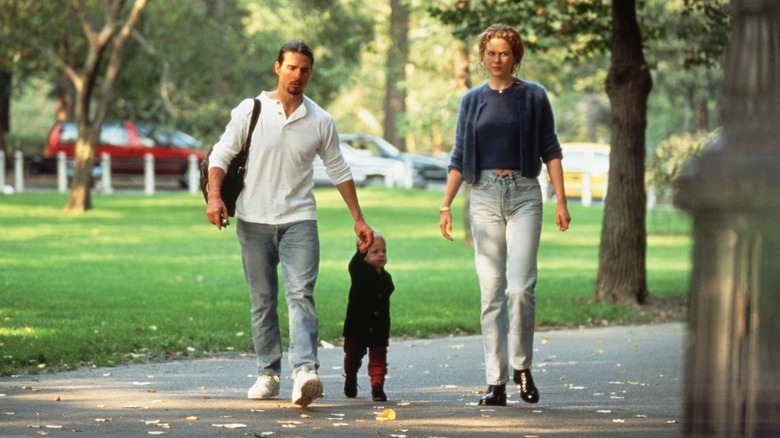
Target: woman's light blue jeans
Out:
[297,247]
[506,222]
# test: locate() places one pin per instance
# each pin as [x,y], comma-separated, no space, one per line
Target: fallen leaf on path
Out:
[230,426]
[618,420]
[327,345]
[387,414]
[192,418]
[102,420]
[340,424]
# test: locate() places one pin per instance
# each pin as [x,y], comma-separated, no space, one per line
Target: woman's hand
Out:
[454,180]
[562,217]
[445,223]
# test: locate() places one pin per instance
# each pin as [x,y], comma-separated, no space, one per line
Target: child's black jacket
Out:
[368,310]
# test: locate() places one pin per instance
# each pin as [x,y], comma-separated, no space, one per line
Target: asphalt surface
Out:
[596,382]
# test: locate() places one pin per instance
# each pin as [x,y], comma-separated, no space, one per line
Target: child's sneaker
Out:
[350,386]
[266,386]
[306,388]
[378,393]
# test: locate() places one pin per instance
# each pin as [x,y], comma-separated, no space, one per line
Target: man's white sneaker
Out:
[306,388]
[266,386]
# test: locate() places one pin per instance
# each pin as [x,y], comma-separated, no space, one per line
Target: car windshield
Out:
[374,145]
[160,135]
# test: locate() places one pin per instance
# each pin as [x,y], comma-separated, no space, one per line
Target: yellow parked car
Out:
[581,160]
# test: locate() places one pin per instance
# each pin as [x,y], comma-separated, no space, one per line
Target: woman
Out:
[505,131]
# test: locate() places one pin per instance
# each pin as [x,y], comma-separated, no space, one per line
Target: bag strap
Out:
[252,123]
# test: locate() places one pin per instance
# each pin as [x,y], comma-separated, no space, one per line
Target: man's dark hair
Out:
[296,47]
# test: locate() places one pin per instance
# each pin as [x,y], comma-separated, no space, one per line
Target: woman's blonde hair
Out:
[507,33]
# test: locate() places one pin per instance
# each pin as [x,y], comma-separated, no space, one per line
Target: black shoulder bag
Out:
[234,176]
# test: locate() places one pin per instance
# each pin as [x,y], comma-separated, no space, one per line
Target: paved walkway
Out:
[602,382]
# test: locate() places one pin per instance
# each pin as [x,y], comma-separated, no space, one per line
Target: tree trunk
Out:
[5,109]
[702,116]
[622,274]
[115,35]
[397,55]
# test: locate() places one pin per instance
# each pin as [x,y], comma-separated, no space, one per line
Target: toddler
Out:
[367,326]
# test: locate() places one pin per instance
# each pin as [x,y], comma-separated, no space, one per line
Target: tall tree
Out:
[104,44]
[622,275]
[19,31]
[397,56]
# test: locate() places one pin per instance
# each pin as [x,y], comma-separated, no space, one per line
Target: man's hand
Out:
[365,235]
[216,210]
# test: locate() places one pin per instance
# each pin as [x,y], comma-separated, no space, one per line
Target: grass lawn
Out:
[139,278]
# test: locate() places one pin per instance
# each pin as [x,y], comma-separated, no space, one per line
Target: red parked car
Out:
[127,143]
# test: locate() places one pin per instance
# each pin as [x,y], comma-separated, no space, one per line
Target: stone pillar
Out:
[733,194]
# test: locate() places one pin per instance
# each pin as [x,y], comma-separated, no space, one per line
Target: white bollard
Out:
[105,164]
[19,171]
[149,174]
[193,175]
[62,173]
[587,181]
[587,189]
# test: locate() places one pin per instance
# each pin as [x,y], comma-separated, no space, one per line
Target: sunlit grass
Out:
[143,277]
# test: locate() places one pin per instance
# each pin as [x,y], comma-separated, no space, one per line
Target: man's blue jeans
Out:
[506,222]
[297,247]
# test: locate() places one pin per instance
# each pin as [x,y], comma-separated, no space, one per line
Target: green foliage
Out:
[667,162]
[141,278]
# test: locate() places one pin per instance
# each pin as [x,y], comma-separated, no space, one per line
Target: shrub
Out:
[667,162]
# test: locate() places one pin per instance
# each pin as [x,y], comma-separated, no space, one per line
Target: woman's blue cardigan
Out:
[538,140]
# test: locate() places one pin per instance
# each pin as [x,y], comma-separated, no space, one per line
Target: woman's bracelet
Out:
[442,209]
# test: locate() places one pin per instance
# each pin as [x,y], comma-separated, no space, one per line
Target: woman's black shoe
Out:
[350,386]
[528,391]
[496,396]
[378,393]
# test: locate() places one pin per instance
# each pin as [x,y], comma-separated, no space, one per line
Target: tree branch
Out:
[115,60]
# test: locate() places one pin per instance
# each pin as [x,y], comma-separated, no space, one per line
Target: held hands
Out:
[365,235]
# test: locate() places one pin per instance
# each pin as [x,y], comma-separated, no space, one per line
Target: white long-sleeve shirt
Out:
[278,183]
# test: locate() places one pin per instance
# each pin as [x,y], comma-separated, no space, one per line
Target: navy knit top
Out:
[537,138]
[498,130]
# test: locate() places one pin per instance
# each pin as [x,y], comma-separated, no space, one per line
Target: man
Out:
[277,219]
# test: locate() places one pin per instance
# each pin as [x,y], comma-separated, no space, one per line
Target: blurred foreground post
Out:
[733,194]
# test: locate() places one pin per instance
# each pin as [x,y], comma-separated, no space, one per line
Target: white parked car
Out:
[366,168]
[417,170]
